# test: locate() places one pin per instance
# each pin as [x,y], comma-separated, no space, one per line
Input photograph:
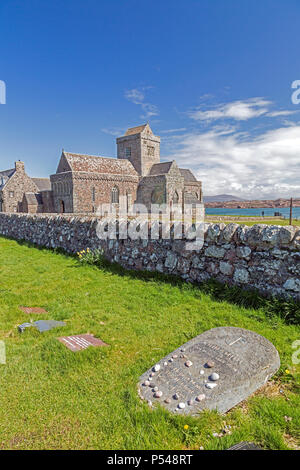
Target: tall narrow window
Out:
[175,197]
[128,152]
[115,195]
[93,194]
[150,151]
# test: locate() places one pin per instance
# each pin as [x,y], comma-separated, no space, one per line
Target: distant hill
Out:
[222,198]
[232,202]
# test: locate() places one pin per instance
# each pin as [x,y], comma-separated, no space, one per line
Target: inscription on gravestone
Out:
[79,342]
[216,370]
[245,446]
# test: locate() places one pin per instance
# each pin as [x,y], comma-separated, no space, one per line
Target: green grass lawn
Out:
[52,398]
[250,223]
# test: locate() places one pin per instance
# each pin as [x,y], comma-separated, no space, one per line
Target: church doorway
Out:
[62,207]
[175,199]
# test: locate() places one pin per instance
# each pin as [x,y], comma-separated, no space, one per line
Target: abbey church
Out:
[83,182]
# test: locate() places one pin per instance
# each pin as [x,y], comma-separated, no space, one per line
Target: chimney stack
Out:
[19,166]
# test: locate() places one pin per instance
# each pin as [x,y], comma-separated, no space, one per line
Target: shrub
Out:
[94,257]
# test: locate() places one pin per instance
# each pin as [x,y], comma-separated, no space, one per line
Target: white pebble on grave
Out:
[210,386]
[214,376]
[200,397]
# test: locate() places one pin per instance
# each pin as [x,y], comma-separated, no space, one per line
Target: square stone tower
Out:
[141,147]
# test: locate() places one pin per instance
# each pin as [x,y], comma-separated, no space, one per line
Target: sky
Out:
[212,77]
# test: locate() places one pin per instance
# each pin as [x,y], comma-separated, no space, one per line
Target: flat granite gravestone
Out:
[79,342]
[245,446]
[32,310]
[216,370]
[42,325]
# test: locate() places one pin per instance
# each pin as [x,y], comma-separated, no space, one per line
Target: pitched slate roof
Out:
[95,164]
[33,199]
[7,173]
[187,174]
[43,184]
[160,168]
[4,176]
[135,130]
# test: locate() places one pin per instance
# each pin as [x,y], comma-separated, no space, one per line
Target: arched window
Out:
[128,200]
[115,195]
[158,195]
[175,197]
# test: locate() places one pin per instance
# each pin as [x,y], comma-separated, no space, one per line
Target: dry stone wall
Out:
[263,257]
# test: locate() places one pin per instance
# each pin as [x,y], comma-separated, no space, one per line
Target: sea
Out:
[285,212]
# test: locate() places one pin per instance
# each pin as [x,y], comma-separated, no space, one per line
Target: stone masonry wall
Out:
[263,257]
[15,188]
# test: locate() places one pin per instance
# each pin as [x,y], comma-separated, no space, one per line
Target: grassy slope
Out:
[53,398]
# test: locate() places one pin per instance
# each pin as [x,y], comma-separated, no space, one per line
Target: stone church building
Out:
[83,182]
[20,193]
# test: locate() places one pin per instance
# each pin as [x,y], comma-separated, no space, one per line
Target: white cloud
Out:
[137,96]
[116,131]
[240,110]
[237,110]
[228,161]
[281,113]
[173,131]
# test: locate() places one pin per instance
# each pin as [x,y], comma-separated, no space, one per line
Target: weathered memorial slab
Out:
[79,342]
[30,310]
[216,370]
[245,446]
[42,325]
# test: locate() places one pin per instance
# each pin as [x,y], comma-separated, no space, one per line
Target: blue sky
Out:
[213,78]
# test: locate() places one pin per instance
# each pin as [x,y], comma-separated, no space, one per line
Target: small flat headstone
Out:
[79,342]
[25,325]
[45,325]
[245,446]
[30,310]
[42,325]
[241,361]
